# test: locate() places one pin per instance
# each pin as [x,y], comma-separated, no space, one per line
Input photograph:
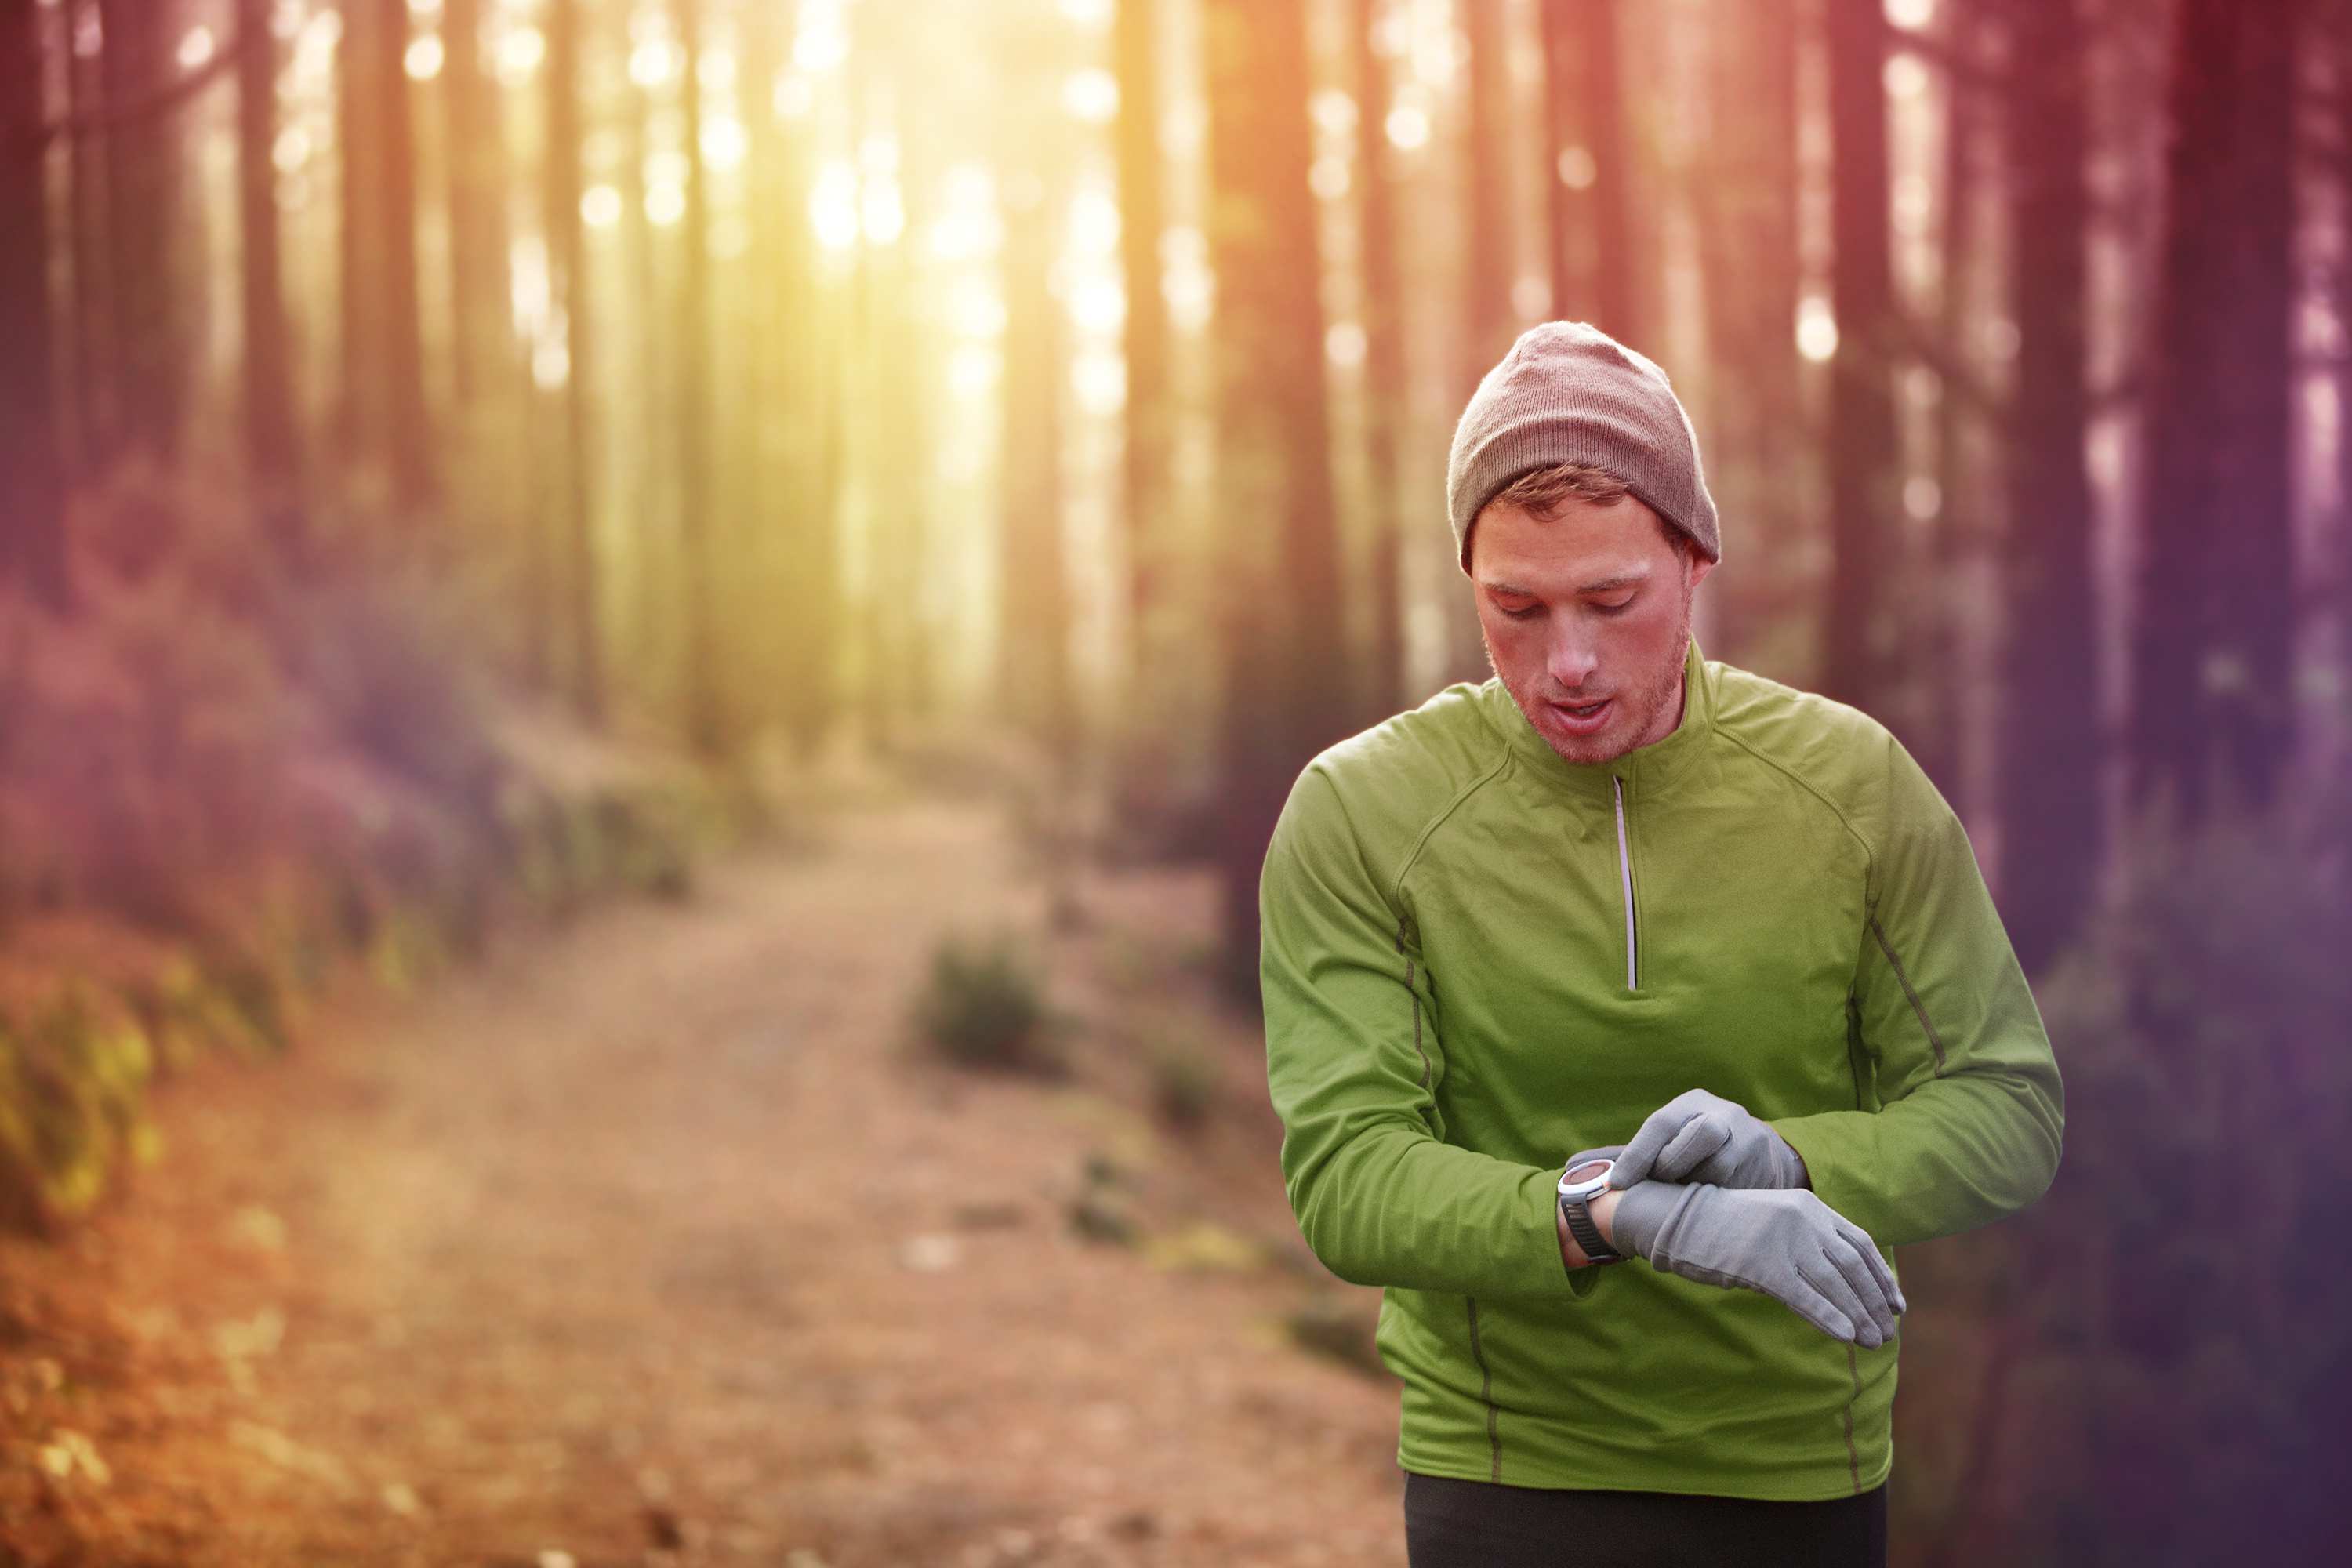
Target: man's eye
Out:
[1614,609]
[1527,613]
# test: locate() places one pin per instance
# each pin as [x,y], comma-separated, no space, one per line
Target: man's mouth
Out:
[1586,716]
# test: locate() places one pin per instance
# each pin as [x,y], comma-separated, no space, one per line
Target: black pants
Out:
[1451,1523]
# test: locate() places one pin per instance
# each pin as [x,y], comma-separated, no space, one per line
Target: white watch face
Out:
[1586,1179]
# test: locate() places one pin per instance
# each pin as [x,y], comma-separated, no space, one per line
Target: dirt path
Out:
[641,1243]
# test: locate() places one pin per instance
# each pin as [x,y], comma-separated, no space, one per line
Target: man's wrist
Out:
[1601,1209]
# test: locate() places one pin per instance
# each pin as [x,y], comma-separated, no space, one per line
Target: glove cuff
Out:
[1644,1213]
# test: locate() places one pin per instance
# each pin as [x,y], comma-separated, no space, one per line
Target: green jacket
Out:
[1478,958]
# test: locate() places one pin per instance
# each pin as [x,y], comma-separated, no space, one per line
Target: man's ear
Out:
[1700,567]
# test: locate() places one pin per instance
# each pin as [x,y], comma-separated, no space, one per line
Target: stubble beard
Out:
[1633,726]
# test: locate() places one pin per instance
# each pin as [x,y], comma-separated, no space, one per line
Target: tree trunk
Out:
[1489,321]
[704,722]
[1386,395]
[93,341]
[2048,752]
[409,431]
[1150,410]
[32,525]
[1865,477]
[272,453]
[1757,457]
[568,279]
[144,182]
[1283,699]
[477,226]
[2210,696]
[1593,269]
[359,397]
[1034,615]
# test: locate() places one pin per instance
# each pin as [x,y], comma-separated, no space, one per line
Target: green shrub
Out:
[984,1007]
[1183,1084]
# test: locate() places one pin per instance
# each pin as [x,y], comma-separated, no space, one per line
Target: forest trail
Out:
[642,1242]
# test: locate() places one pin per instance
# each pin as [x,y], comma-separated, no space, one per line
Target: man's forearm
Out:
[1601,1209]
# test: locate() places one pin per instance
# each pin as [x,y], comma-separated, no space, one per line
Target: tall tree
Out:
[705,725]
[1386,395]
[144,189]
[272,454]
[1588,167]
[477,161]
[1282,698]
[1151,403]
[567,274]
[32,519]
[359,301]
[1034,618]
[2210,698]
[408,432]
[1488,320]
[93,347]
[1864,476]
[2048,752]
[1747,249]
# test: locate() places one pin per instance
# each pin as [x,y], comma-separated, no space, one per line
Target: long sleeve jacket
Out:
[1479,958]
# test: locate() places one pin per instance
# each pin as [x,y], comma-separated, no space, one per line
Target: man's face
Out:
[1591,606]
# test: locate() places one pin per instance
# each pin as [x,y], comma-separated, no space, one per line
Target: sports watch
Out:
[1583,1181]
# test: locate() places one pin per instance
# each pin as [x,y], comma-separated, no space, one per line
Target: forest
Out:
[574,574]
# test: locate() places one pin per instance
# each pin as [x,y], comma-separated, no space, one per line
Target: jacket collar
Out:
[1642,770]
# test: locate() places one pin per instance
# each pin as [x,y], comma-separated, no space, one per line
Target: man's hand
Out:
[1704,1138]
[1788,1244]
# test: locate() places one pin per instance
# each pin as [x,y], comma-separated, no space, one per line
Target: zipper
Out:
[1625,879]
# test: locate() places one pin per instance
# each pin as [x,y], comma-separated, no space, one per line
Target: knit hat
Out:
[1570,392]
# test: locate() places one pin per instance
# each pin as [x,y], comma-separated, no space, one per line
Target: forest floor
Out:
[647,1240]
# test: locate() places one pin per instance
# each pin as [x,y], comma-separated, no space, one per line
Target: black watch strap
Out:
[1588,1235]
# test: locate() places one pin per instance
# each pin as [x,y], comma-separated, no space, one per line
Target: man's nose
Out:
[1570,659]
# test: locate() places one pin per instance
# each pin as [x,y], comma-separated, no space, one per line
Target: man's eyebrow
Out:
[1622,580]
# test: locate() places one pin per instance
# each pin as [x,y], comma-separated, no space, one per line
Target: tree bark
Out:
[1386,395]
[143,188]
[272,451]
[2212,706]
[1865,502]
[2048,754]
[1282,698]
[1150,410]
[32,525]
[567,273]
[705,723]
[477,225]
[408,433]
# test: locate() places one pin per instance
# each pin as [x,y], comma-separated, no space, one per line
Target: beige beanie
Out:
[1570,392]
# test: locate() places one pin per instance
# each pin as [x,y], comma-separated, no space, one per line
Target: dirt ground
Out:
[644,1241]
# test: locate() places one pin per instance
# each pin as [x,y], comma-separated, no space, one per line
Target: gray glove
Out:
[1702,1137]
[1786,1244]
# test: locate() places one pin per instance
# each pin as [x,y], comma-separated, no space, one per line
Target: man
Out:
[1626,901]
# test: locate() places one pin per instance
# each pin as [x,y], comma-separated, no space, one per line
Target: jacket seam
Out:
[1918,1008]
[1869,850]
[1409,970]
[1486,1394]
[1396,889]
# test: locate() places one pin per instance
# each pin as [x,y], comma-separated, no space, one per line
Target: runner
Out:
[1632,954]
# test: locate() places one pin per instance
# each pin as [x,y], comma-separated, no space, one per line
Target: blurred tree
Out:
[359,393]
[1864,454]
[32,527]
[93,345]
[1151,407]
[1033,585]
[1386,393]
[477,160]
[1489,322]
[697,537]
[1757,446]
[143,189]
[408,431]
[569,295]
[272,452]
[2048,751]
[1276,572]
[789,367]
[1589,169]
[2212,695]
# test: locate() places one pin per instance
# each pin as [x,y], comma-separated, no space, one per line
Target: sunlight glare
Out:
[972,370]
[655,62]
[884,212]
[823,42]
[1090,96]
[664,202]
[291,150]
[1817,331]
[1343,344]
[422,60]
[1094,221]
[1335,111]
[724,141]
[1099,305]
[1328,177]
[1913,13]
[196,48]
[1094,15]
[1408,127]
[1578,169]
[519,55]
[832,205]
[1099,378]
[599,207]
